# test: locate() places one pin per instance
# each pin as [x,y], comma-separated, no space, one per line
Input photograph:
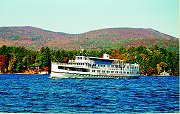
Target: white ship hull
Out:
[79,75]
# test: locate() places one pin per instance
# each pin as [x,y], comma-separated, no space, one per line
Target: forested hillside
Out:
[152,60]
[109,38]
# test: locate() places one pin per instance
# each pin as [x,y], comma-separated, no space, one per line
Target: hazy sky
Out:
[78,16]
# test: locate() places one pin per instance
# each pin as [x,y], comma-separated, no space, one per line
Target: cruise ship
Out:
[94,67]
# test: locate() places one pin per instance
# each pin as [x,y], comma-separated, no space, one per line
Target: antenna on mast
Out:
[81,50]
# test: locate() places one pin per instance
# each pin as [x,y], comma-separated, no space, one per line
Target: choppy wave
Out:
[38,93]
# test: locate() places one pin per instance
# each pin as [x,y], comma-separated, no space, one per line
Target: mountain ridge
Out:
[35,38]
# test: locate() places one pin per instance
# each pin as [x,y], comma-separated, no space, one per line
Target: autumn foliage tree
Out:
[2,62]
[115,54]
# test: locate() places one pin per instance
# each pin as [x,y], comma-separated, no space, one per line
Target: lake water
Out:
[41,94]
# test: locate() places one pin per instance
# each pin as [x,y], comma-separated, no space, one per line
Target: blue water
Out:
[41,94]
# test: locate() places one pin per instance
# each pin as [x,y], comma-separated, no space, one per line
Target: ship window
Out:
[66,68]
[127,72]
[116,66]
[112,71]
[103,71]
[85,70]
[93,70]
[60,67]
[120,66]
[98,70]
[80,58]
[108,71]
[116,71]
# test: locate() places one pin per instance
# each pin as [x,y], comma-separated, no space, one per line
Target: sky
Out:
[78,16]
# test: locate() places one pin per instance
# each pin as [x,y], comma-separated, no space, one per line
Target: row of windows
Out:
[103,71]
[112,66]
[81,58]
[79,63]
[73,69]
[95,65]
[135,67]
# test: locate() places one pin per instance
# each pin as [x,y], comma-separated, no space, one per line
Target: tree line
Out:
[153,60]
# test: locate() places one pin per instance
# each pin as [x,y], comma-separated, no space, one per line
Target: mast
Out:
[81,51]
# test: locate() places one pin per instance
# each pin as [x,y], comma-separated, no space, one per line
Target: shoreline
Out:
[27,73]
[49,74]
